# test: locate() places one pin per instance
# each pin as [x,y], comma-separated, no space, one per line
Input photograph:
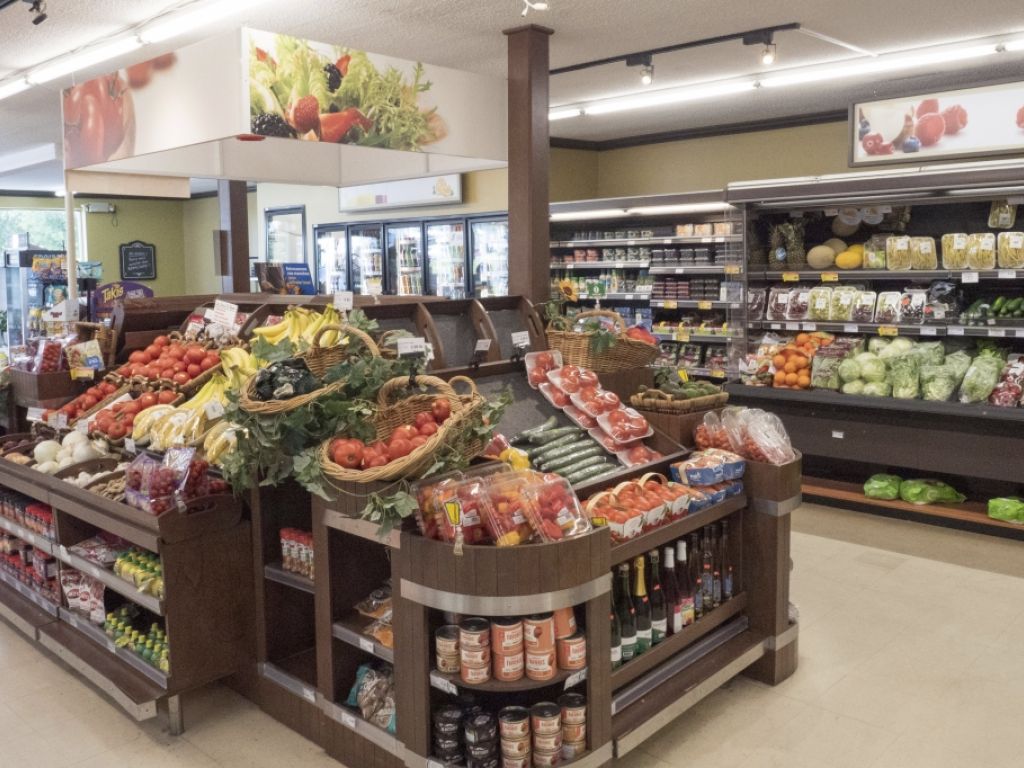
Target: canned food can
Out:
[475,675]
[474,633]
[482,751]
[481,729]
[526,761]
[565,622]
[447,640]
[514,722]
[540,665]
[507,635]
[572,652]
[574,731]
[547,742]
[545,717]
[509,667]
[573,708]
[539,632]
[515,747]
[544,759]
[448,664]
[474,657]
[573,749]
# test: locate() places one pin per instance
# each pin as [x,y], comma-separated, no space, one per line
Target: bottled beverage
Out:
[726,565]
[693,553]
[716,590]
[707,555]
[626,614]
[616,639]
[659,609]
[685,585]
[642,606]
[707,580]
[716,563]
[673,600]
[698,600]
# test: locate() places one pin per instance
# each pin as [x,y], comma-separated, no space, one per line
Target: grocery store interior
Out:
[511,384]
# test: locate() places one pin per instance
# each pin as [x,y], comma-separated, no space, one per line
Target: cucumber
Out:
[537,450]
[997,305]
[564,462]
[523,436]
[553,434]
[582,466]
[609,470]
[592,473]
[564,449]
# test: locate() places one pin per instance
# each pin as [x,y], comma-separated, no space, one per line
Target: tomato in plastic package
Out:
[554,510]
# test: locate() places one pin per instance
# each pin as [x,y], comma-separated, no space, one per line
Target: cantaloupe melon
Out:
[837,245]
[821,257]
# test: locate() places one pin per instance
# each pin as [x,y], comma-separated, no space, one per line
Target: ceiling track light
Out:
[768,55]
[646,63]
[533,5]
[766,39]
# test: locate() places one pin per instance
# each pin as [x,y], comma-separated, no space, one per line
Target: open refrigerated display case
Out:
[932,260]
[405,259]
[366,256]
[674,263]
[446,258]
[489,251]
[331,258]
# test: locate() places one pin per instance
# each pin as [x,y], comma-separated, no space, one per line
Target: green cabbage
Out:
[906,377]
[939,382]
[897,347]
[1010,509]
[929,492]
[877,389]
[877,343]
[849,370]
[855,387]
[981,378]
[883,487]
[873,370]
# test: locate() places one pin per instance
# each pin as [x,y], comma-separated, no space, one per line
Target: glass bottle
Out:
[670,584]
[659,609]
[642,606]
[726,566]
[627,615]
[685,585]
[616,639]
[698,600]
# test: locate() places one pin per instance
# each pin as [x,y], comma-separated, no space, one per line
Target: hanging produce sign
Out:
[969,122]
[106,296]
[269,107]
[432,190]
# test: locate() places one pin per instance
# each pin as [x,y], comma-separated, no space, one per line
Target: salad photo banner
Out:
[965,123]
[262,106]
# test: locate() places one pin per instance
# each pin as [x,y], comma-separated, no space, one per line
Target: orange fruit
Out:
[804,382]
[801,362]
[792,378]
[790,367]
[780,378]
[802,338]
[778,361]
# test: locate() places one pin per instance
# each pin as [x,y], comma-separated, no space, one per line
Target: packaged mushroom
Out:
[1011,250]
[923,254]
[954,251]
[981,251]
[897,253]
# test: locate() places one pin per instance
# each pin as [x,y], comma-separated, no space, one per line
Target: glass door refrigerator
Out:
[405,259]
[446,258]
[331,258]
[366,258]
[489,244]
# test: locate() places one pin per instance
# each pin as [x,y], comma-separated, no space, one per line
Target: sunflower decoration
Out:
[567,290]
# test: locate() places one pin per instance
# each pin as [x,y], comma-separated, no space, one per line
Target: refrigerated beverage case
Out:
[626,613]
[670,583]
[331,260]
[367,260]
[446,260]
[405,259]
[659,609]
[490,258]
[685,585]
[642,606]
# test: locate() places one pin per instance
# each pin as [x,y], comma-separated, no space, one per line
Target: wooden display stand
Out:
[206,605]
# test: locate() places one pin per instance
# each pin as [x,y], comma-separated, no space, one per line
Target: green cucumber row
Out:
[561,462]
[593,472]
[540,450]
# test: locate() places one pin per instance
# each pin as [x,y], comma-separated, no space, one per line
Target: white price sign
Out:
[809,327]
[214,409]
[443,684]
[129,445]
[850,328]
[575,679]
[997,333]
[928,330]
[1007,274]
[82,425]
[348,720]
[366,644]
[521,339]
[955,330]
[483,345]
[343,301]
[309,694]
[224,313]
[34,414]
[792,326]
[968,278]
[412,345]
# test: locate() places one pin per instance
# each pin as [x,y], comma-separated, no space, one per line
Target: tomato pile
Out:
[85,402]
[551,512]
[48,356]
[172,361]
[639,505]
[116,420]
[624,424]
[352,453]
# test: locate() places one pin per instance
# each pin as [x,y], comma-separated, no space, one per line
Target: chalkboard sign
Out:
[138,261]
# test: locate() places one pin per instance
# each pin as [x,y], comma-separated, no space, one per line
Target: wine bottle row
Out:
[662,592]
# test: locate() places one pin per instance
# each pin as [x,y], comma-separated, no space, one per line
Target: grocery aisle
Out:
[905,662]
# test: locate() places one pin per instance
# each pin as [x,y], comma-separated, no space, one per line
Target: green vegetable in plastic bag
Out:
[960,361]
[1010,509]
[874,370]
[929,492]
[849,370]
[981,378]
[930,352]
[896,348]
[906,377]
[883,487]
[855,387]
[939,382]
[877,389]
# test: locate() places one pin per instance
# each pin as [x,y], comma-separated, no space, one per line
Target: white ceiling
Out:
[466,34]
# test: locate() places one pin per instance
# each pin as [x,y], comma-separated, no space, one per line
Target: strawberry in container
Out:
[623,522]
[538,364]
[505,515]
[553,509]
[675,495]
[632,495]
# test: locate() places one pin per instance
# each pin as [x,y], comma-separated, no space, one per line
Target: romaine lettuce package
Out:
[981,378]
[939,382]
[929,492]
[883,486]
[906,377]
[930,352]
[1010,509]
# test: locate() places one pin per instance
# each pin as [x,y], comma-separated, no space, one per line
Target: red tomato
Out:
[588,378]
[193,370]
[559,398]
[116,431]
[178,367]
[138,356]
[423,417]
[209,362]
[376,461]
[147,400]
[537,376]
[161,341]
[417,441]
[176,351]
[153,351]
[404,432]
[441,409]
[544,361]
[133,406]
[180,378]
[195,354]
[427,429]
[347,453]
[398,448]
[166,396]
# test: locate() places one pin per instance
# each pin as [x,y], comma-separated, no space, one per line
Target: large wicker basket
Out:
[648,402]
[390,416]
[625,354]
[319,360]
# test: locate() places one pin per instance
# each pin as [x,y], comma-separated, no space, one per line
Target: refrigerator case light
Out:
[490,258]
[446,259]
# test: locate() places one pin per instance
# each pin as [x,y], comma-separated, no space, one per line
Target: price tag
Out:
[224,313]
[570,266]
[775,326]
[790,277]
[1019,333]
[955,330]
[670,304]
[927,330]
[1007,274]
[682,336]
[73,620]
[193,328]
[575,679]
[684,376]
[348,720]
[343,301]
[888,330]
[717,373]
[968,277]
[667,241]
[366,644]
[619,265]
[705,239]
[412,345]
[704,304]
[443,684]
[82,425]
[34,414]
[830,277]
[850,328]
[680,270]
[214,409]
[63,551]
[837,435]
[628,297]
[809,326]
[482,345]
[309,694]
[792,326]
[997,333]
[129,445]
[521,339]
[631,242]
[732,269]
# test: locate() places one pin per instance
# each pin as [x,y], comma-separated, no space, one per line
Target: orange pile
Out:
[792,363]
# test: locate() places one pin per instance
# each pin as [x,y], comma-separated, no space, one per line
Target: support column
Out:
[529,150]
[234,241]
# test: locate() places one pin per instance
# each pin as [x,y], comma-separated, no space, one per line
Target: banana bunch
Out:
[302,324]
[185,423]
[239,365]
[221,439]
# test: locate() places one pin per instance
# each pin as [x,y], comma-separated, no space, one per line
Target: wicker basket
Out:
[472,402]
[319,360]
[106,337]
[665,405]
[389,417]
[626,354]
[388,341]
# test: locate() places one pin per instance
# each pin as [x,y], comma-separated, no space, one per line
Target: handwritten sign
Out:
[138,261]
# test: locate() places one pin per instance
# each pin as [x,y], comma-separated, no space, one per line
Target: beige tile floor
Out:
[911,656]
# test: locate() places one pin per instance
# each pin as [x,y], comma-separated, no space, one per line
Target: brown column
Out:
[528,162]
[234,241]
